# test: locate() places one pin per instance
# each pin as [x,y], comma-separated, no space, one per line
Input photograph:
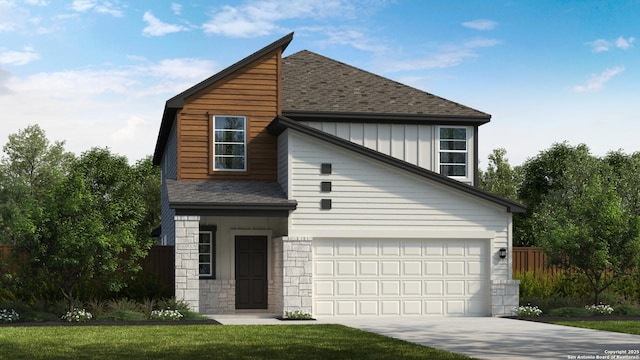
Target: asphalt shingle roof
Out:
[315,83]
[228,194]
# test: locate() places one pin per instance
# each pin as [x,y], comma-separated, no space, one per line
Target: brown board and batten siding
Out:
[254,92]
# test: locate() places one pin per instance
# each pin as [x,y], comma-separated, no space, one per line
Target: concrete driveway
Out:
[498,338]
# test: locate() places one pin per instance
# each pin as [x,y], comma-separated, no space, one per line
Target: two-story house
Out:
[303,183]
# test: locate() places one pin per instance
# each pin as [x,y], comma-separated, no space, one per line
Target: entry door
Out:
[251,272]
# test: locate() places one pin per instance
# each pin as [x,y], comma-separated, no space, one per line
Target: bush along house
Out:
[301,183]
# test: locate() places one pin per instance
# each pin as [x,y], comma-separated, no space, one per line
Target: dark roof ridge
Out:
[280,123]
[488,116]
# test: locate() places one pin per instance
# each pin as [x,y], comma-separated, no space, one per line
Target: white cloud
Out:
[102,7]
[440,57]
[176,8]
[623,43]
[258,18]
[480,24]
[129,131]
[155,27]
[602,45]
[351,37]
[18,57]
[37,2]
[596,81]
[112,106]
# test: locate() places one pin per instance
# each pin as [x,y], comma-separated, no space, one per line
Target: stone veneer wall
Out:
[186,256]
[275,286]
[217,296]
[504,297]
[297,267]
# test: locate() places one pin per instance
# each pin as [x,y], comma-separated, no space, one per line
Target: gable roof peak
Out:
[314,83]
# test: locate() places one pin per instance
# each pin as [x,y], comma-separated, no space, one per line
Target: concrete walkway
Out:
[481,338]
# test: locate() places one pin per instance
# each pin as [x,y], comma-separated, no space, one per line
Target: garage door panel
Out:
[401,277]
[455,268]
[455,307]
[368,267]
[390,288]
[412,249]
[434,268]
[368,287]
[369,307]
[369,248]
[390,248]
[411,288]
[455,288]
[345,248]
[323,288]
[434,307]
[345,268]
[434,287]
[412,268]
[346,308]
[390,268]
[346,288]
[390,307]
[323,267]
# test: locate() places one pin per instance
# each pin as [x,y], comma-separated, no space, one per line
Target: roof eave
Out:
[290,205]
[382,117]
[281,123]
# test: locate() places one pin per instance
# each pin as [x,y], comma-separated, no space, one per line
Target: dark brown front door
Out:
[251,272]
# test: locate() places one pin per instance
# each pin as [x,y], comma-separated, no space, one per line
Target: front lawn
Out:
[622,326]
[207,342]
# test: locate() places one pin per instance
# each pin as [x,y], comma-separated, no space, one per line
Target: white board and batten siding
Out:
[393,243]
[415,144]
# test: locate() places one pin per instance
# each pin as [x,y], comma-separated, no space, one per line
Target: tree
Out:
[500,178]
[148,176]
[580,221]
[89,232]
[30,167]
[540,175]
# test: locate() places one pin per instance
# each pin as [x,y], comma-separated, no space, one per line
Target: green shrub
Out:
[297,315]
[166,315]
[97,307]
[122,305]
[173,304]
[626,310]
[571,312]
[123,315]
[147,306]
[39,316]
[190,315]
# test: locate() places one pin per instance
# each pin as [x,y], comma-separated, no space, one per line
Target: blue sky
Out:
[98,73]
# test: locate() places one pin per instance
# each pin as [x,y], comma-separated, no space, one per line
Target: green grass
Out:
[207,342]
[621,326]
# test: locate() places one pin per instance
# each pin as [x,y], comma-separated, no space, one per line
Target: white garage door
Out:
[400,277]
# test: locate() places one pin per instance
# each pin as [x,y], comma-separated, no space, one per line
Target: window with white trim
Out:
[453,151]
[230,143]
[207,254]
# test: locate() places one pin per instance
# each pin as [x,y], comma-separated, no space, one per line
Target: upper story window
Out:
[230,143]
[453,151]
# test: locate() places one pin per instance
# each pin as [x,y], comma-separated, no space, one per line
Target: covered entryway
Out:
[251,272]
[407,277]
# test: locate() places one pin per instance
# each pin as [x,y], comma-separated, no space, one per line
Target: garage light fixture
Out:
[503,253]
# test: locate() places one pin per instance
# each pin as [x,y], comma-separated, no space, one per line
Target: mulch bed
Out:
[113,323]
[549,319]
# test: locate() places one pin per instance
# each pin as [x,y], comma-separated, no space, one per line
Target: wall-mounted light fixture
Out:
[503,253]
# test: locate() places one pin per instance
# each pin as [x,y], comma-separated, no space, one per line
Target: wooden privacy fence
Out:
[531,259]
